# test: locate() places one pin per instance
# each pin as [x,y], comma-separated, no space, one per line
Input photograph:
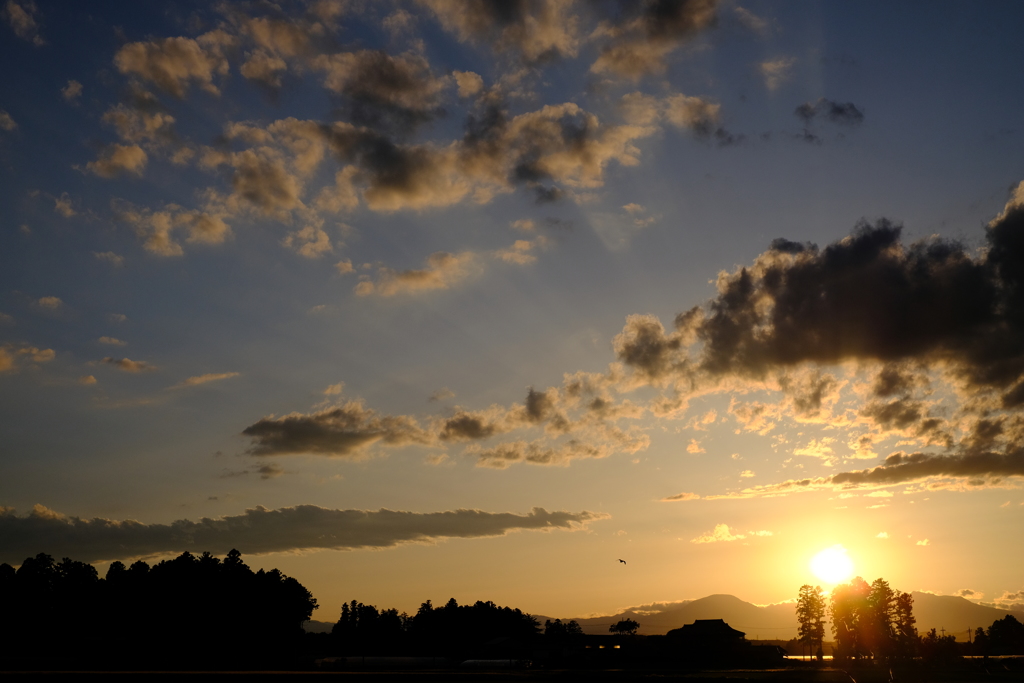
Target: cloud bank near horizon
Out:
[260,530]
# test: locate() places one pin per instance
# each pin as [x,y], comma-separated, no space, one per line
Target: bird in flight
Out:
[622,561]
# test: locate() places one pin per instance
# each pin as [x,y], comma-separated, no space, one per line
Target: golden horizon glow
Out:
[832,565]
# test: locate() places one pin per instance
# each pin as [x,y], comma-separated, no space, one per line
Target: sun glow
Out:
[832,565]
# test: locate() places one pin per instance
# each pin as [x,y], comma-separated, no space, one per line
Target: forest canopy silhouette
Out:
[206,612]
[197,611]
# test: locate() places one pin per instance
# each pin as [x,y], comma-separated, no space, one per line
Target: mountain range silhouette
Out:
[778,621]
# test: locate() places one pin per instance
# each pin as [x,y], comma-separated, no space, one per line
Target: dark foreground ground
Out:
[971,673]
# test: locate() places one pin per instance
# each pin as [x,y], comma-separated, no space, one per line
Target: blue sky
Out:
[261,264]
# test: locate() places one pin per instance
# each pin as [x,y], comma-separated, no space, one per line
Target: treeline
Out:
[876,622]
[452,631]
[186,612]
[1004,637]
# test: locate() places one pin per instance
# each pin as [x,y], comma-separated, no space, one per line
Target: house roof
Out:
[707,629]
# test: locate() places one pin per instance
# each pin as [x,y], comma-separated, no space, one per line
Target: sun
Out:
[832,565]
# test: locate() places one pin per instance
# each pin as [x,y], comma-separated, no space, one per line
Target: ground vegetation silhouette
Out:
[204,612]
[190,611]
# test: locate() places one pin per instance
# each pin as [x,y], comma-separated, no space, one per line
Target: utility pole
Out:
[943,629]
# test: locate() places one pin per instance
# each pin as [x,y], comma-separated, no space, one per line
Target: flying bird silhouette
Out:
[622,561]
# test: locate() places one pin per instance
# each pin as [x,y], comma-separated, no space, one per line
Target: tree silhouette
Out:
[872,621]
[847,608]
[453,630]
[625,627]
[810,612]
[1006,636]
[200,612]
[906,631]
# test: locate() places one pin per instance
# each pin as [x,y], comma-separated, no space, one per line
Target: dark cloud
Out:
[842,113]
[468,427]
[644,346]
[867,297]
[382,91]
[534,30]
[899,414]
[259,530]
[643,34]
[781,244]
[343,431]
[892,380]
[979,468]
[547,195]
[870,297]
[558,145]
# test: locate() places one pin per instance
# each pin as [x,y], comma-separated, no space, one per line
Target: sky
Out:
[420,300]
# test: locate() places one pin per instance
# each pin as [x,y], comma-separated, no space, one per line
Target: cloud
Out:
[21,17]
[158,227]
[50,303]
[11,355]
[260,530]
[970,594]
[269,471]
[64,206]
[382,91]
[867,297]
[334,389]
[112,341]
[204,379]
[6,122]
[442,394]
[311,241]
[751,21]
[469,83]
[924,541]
[343,431]
[882,534]
[398,22]
[506,454]
[977,468]
[520,253]
[842,113]
[536,30]
[172,64]
[694,447]
[87,380]
[117,159]
[721,532]
[699,115]
[776,71]
[72,91]
[143,122]
[680,496]
[443,270]
[129,365]
[109,257]
[646,33]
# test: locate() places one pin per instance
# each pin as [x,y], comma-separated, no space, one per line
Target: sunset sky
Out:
[421,300]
